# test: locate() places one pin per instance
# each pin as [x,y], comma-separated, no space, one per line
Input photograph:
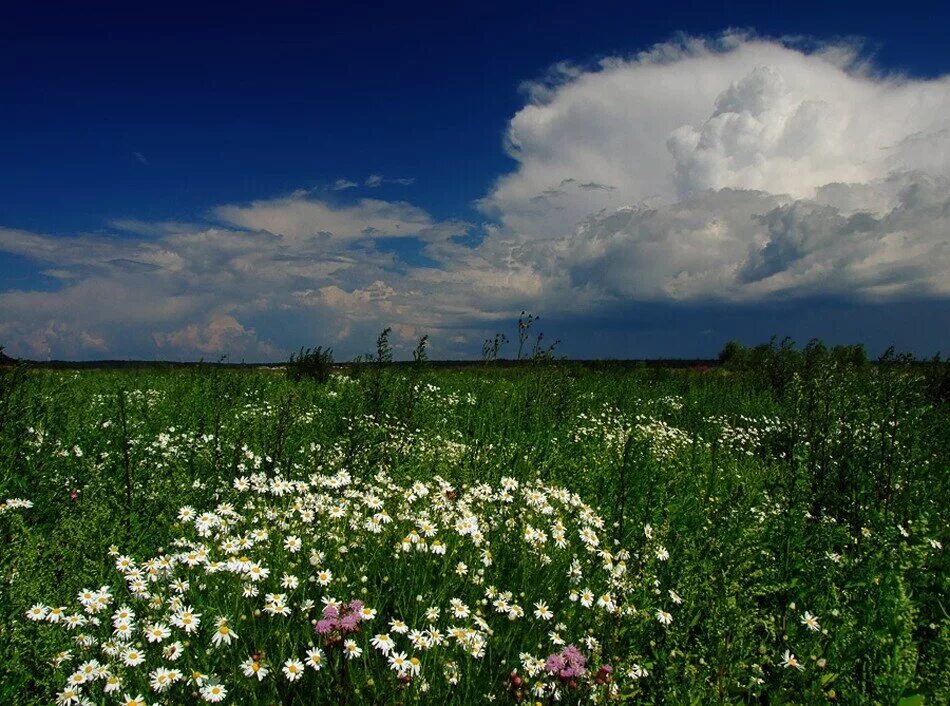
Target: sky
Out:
[185,181]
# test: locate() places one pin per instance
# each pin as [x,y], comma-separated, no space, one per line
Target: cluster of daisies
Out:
[272,590]
[739,435]
[14,504]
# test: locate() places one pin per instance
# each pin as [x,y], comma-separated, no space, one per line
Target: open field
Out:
[415,535]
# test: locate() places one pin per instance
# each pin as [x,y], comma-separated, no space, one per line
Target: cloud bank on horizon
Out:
[735,170]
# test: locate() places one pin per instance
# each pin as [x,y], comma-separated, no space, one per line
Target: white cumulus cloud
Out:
[732,170]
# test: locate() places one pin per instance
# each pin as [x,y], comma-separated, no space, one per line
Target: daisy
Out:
[293,669]
[789,660]
[132,657]
[810,621]
[275,604]
[352,650]
[213,692]
[223,633]
[91,669]
[398,662]
[160,679]
[37,612]
[157,632]
[252,668]
[256,572]
[606,602]
[664,617]
[173,651]
[113,684]
[74,621]
[123,631]
[315,658]
[69,695]
[384,643]
[587,598]
[419,639]
[186,619]
[637,672]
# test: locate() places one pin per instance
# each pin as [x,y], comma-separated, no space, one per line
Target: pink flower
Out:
[555,663]
[567,664]
[340,620]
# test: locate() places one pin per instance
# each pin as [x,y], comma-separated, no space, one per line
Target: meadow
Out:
[771,532]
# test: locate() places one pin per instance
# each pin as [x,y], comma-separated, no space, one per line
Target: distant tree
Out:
[937,376]
[854,355]
[311,363]
[420,355]
[384,349]
[734,356]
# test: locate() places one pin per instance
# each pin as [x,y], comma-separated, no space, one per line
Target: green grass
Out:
[826,495]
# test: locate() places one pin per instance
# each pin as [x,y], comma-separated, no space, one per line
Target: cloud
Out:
[149,289]
[726,174]
[140,158]
[746,245]
[300,216]
[735,169]
[220,333]
[374,180]
[47,339]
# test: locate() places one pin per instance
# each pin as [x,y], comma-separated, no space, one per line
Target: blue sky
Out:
[192,180]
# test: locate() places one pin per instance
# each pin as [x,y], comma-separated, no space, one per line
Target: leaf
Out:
[915,700]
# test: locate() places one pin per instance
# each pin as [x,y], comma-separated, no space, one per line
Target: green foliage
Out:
[777,364]
[937,374]
[311,364]
[384,349]
[420,354]
[540,351]
[799,480]
[491,348]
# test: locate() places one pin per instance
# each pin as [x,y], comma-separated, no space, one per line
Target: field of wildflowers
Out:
[546,534]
